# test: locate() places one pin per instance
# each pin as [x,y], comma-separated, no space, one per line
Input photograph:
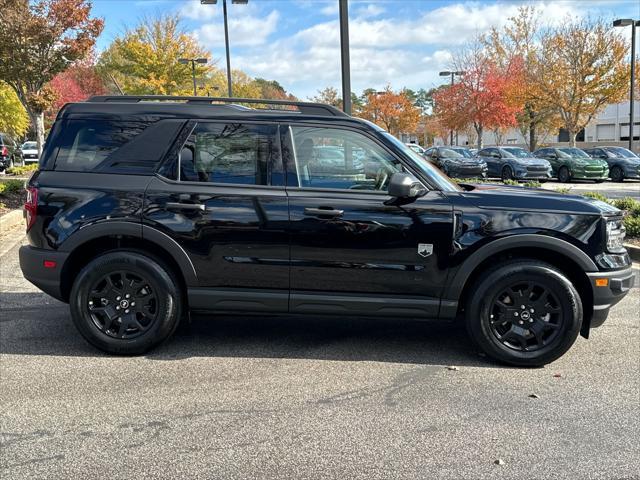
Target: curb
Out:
[10,220]
[634,252]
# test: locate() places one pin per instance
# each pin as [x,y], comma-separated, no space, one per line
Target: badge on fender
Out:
[425,249]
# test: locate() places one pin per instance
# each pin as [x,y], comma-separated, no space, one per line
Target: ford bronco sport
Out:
[146,208]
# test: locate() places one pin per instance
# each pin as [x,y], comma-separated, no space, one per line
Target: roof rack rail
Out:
[305,108]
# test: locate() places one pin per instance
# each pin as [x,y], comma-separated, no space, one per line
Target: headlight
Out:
[615,236]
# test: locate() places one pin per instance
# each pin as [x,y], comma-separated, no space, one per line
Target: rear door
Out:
[351,252]
[221,197]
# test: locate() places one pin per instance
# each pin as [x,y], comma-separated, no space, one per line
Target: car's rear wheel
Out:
[507,173]
[524,313]
[616,174]
[564,175]
[125,302]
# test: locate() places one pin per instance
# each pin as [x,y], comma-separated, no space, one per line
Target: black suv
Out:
[145,208]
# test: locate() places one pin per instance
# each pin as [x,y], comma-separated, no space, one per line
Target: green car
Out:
[571,163]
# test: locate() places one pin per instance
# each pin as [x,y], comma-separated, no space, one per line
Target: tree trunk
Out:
[572,137]
[37,121]
[533,140]
[479,130]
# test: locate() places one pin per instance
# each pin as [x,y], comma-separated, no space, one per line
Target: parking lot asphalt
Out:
[628,188]
[289,397]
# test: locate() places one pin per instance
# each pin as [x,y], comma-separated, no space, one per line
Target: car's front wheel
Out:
[616,174]
[564,175]
[524,313]
[507,173]
[125,302]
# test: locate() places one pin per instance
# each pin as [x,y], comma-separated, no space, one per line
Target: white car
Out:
[29,152]
[416,148]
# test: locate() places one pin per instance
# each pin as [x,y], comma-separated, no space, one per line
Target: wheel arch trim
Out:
[457,283]
[138,231]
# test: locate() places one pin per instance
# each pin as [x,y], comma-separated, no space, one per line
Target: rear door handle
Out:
[323,212]
[186,206]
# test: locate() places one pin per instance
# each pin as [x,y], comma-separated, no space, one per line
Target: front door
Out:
[225,204]
[351,252]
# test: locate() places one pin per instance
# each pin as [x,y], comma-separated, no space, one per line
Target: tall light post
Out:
[446,73]
[193,62]
[626,22]
[226,34]
[344,56]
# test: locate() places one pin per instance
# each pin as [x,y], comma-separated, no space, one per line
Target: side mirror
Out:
[405,186]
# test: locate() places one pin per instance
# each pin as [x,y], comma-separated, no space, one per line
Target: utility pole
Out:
[625,22]
[344,56]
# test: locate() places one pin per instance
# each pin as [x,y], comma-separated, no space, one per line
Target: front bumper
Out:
[618,284]
[46,278]
[532,175]
[580,174]
[467,172]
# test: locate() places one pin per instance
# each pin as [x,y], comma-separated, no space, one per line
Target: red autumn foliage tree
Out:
[484,97]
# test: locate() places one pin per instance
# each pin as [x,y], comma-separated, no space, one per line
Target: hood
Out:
[535,199]
[533,161]
[627,160]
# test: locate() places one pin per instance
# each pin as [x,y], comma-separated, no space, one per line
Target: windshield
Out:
[572,152]
[621,152]
[29,145]
[515,152]
[432,173]
[464,152]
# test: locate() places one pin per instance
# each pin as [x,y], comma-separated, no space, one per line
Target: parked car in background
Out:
[10,154]
[623,163]
[457,162]
[416,148]
[571,163]
[30,152]
[474,151]
[515,163]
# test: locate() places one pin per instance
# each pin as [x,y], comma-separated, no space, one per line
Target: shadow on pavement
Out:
[36,328]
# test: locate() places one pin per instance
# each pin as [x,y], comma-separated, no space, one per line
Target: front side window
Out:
[572,152]
[342,159]
[515,152]
[234,153]
[621,152]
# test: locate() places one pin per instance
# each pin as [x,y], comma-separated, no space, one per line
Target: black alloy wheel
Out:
[525,316]
[564,175]
[507,173]
[126,302]
[123,304]
[616,174]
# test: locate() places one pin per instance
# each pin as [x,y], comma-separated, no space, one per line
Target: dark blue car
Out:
[515,163]
[623,163]
[457,162]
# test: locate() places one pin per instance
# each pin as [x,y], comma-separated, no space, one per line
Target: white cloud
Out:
[330,9]
[244,30]
[370,11]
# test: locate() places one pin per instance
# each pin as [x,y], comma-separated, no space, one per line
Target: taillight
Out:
[4,152]
[31,206]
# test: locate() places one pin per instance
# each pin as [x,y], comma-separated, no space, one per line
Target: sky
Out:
[404,43]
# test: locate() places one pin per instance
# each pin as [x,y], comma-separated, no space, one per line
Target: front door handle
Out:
[186,206]
[323,212]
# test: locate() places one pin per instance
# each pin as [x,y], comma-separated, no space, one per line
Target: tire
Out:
[599,181]
[564,175]
[507,173]
[543,180]
[617,174]
[111,277]
[11,162]
[512,341]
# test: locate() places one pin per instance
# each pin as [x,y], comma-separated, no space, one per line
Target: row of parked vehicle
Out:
[11,153]
[515,163]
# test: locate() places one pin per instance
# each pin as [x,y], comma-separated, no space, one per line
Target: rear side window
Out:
[86,144]
[234,153]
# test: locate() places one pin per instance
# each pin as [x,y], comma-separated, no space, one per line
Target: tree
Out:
[144,61]
[519,43]
[581,69]
[76,84]
[13,116]
[394,111]
[481,97]
[271,89]
[328,95]
[39,40]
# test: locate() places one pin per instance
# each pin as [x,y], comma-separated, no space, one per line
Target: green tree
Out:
[328,95]
[144,60]
[39,39]
[13,116]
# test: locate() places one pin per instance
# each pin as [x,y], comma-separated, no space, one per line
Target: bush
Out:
[533,184]
[597,196]
[629,204]
[632,224]
[563,190]
[24,170]
[11,186]
[511,182]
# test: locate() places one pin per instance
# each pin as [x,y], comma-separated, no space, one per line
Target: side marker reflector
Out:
[602,282]
[49,264]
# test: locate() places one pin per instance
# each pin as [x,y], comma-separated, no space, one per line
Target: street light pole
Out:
[446,73]
[625,22]
[226,35]
[193,62]
[344,56]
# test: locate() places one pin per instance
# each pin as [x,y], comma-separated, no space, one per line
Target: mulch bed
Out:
[11,201]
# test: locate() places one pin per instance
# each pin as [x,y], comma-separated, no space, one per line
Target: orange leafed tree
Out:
[393,111]
[484,97]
